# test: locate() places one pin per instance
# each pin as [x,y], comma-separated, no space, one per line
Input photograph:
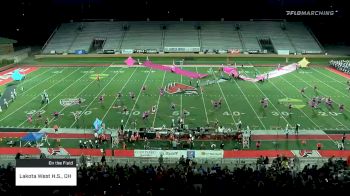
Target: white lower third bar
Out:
[46,176]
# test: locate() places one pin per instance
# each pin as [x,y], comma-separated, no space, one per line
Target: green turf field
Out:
[241,99]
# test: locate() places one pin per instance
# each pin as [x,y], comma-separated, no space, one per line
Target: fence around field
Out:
[112,161]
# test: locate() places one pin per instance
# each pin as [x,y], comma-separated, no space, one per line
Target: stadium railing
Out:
[112,161]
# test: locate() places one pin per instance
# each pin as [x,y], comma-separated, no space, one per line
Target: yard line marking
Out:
[31,99]
[228,106]
[126,123]
[332,79]
[320,91]
[181,100]
[250,104]
[205,108]
[287,96]
[330,86]
[26,90]
[270,101]
[75,120]
[104,116]
[26,81]
[155,115]
[56,95]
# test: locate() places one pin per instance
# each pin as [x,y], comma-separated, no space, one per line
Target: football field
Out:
[240,99]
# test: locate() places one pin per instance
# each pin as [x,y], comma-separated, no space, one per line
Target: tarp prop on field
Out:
[32,137]
[17,76]
[232,71]
[272,74]
[174,69]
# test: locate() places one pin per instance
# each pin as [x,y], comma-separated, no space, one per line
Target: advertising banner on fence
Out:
[157,153]
[202,154]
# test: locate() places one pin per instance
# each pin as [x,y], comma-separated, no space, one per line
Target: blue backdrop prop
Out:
[97,124]
[16,75]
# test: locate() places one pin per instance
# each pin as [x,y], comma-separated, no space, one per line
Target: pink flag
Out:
[129,61]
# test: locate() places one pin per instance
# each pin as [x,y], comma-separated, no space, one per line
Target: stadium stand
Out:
[113,37]
[302,39]
[219,35]
[188,36]
[189,178]
[63,38]
[143,36]
[86,34]
[181,34]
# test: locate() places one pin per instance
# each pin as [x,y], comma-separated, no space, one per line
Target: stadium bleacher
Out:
[189,178]
[143,36]
[244,36]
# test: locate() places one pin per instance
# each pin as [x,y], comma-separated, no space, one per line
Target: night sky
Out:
[32,21]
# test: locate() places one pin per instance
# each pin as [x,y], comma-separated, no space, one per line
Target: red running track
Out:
[345,75]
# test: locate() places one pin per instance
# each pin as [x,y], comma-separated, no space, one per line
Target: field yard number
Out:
[328,113]
[274,113]
[118,71]
[78,113]
[135,113]
[32,112]
[235,113]
[57,72]
[148,71]
[88,72]
[177,113]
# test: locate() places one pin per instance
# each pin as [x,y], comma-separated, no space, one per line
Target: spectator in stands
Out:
[82,160]
[103,158]
[182,160]
[319,146]
[18,156]
[187,179]
[161,160]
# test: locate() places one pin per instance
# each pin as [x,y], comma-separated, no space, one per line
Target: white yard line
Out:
[131,111]
[271,102]
[307,115]
[181,100]
[67,87]
[332,79]
[250,104]
[155,115]
[76,96]
[205,108]
[330,86]
[300,79]
[87,107]
[27,80]
[35,96]
[104,116]
[287,96]
[228,106]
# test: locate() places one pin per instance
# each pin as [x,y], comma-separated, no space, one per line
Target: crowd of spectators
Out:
[341,65]
[185,178]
